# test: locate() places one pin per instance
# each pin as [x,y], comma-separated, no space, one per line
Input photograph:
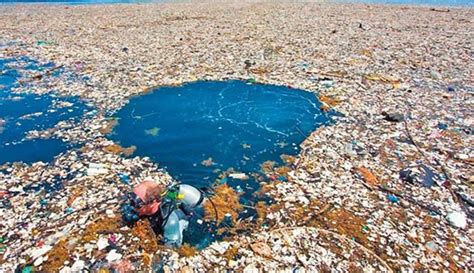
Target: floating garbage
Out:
[97,169]
[414,61]
[241,176]
[393,198]
[457,219]
[125,178]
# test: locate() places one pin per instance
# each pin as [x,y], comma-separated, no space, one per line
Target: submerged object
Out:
[174,227]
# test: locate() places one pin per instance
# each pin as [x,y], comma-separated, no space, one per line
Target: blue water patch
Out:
[202,127]
[199,130]
[24,112]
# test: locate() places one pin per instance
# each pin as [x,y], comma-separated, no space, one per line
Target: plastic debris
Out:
[102,243]
[38,252]
[421,174]
[78,265]
[407,60]
[393,198]
[431,245]
[113,256]
[124,178]
[457,219]
[97,169]
[241,176]
[27,269]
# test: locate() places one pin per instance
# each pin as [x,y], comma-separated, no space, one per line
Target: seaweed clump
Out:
[224,202]
[108,127]
[56,257]
[119,150]
[187,251]
[101,226]
[148,241]
[328,102]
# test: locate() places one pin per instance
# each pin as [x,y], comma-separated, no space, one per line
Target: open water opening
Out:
[21,113]
[213,132]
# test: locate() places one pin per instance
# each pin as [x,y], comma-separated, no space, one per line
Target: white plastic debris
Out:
[109,213]
[78,265]
[40,251]
[241,176]
[102,243]
[457,219]
[65,269]
[97,169]
[39,261]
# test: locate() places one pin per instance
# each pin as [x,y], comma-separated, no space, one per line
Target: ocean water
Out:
[21,113]
[199,130]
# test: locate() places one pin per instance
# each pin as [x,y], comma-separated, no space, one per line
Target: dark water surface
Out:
[201,129]
[20,113]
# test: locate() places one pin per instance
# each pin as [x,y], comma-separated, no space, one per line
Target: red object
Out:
[113,239]
[143,191]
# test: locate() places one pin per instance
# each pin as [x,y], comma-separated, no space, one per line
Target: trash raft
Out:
[251,130]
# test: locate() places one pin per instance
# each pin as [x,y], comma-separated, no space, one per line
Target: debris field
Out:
[387,187]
